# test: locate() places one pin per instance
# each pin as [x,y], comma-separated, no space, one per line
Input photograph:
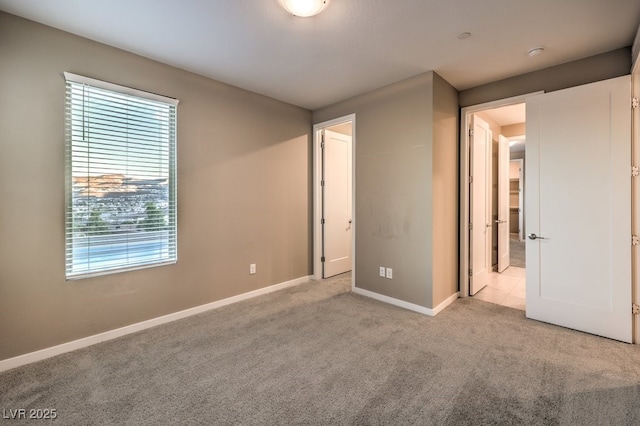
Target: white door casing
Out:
[480,203]
[502,222]
[578,203]
[337,209]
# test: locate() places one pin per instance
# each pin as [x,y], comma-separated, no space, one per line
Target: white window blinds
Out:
[121,178]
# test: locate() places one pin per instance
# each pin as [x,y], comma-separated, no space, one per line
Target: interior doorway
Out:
[574,278]
[334,212]
[504,223]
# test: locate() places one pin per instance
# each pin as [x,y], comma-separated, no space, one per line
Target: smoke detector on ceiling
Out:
[536,51]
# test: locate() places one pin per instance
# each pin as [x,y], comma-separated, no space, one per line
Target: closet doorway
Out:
[334,213]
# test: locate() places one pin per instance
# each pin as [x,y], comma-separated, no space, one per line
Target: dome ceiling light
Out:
[304,8]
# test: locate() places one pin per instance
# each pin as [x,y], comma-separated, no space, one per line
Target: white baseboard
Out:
[407,305]
[8,364]
[449,300]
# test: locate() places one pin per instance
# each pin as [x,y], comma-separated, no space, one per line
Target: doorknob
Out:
[535,237]
[350,221]
[500,221]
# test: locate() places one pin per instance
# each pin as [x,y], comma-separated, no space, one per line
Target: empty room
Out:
[319,212]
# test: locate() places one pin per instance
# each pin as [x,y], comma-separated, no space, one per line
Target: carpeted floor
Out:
[318,354]
[516,252]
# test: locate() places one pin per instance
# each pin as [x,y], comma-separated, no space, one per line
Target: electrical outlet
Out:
[382,271]
[389,273]
[252,268]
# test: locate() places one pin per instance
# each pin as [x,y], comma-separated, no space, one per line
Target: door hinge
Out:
[634,240]
[634,103]
[470,132]
[321,221]
[470,179]
[470,226]
[470,273]
[635,309]
[321,183]
[322,259]
[635,171]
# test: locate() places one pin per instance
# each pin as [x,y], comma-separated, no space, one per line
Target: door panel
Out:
[578,198]
[503,203]
[480,234]
[337,203]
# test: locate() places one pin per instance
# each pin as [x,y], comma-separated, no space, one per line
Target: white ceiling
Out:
[352,47]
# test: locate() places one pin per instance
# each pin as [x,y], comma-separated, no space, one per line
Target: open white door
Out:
[503,203]
[337,211]
[578,203]
[479,213]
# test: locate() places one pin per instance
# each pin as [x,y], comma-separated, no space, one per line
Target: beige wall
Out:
[244,182]
[445,190]
[595,68]
[511,130]
[396,184]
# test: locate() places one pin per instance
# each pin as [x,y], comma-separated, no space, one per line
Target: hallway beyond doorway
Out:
[516,252]
[506,289]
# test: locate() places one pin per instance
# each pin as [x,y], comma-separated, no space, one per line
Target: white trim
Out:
[449,300]
[118,88]
[42,354]
[317,196]
[406,305]
[464,180]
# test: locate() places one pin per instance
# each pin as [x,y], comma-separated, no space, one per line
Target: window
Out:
[121,178]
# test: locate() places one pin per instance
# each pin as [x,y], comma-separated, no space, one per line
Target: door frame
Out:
[465,114]
[317,194]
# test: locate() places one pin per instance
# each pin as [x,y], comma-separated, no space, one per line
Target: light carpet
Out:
[318,354]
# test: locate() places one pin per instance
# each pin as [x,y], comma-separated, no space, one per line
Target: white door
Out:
[480,232]
[337,220]
[578,203]
[503,203]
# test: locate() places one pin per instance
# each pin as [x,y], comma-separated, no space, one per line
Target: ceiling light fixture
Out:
[535,51]
[462,36]
[304,8]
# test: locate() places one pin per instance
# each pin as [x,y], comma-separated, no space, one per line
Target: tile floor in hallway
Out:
[507,288]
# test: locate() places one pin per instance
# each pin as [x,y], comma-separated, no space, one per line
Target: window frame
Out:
[71,234]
